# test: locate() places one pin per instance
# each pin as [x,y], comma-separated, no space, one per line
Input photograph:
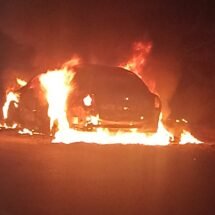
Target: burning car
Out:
[101,96]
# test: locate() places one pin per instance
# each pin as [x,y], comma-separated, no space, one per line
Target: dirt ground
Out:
[38,178]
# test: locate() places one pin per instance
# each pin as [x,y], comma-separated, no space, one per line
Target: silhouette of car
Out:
[102,96]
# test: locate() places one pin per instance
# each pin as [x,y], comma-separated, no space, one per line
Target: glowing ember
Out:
[137,62]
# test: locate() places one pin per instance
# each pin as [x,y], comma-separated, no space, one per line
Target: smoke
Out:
[165,70]
[194,97]
[41,35]
[15,61]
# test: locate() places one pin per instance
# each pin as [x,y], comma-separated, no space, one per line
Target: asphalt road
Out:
[37,178]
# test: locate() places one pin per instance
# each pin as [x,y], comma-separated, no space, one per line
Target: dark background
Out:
[40,35]
[55,179]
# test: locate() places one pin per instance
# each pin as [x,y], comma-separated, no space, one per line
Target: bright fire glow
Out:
[93,119]
[57,85]
[87,100]
[137,61]
[10,97]
[56,95]
[21,82]
[186,137]
[104,136]
[5,126]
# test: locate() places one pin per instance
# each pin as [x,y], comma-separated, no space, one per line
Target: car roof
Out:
[97,69]
[95,73]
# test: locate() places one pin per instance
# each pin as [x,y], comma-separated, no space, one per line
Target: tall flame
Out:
[12,96]
[57,85]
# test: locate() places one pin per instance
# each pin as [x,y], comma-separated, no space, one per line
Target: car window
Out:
[126,84]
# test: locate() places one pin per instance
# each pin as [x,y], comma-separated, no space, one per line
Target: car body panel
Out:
[119,97]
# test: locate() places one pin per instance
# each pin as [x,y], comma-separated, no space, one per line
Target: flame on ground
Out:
[25,131]
[186,137]
[104,136]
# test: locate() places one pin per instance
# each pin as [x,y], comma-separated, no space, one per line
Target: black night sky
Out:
[42,34]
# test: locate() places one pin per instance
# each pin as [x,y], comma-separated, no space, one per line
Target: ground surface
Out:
[50,179]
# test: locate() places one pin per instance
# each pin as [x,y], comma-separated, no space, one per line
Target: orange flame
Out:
[186,137]
[104,136]
[21,82]
[10,97]
[137,61]
[57,85]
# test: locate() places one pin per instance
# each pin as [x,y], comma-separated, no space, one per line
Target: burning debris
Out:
[85,104]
